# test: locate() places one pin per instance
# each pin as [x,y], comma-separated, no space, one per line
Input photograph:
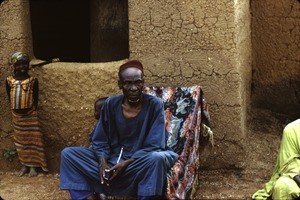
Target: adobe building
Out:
[244,55]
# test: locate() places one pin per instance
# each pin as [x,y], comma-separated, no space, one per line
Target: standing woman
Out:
[22,91]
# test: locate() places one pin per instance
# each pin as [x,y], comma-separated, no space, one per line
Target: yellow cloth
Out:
[281,185]
[21,93]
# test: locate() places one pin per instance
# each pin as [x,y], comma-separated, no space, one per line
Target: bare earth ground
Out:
[214,184]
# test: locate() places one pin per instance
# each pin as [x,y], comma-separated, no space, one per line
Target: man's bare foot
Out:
[22,171]
[32,172]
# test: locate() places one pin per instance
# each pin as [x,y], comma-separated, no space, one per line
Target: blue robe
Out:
[142,138]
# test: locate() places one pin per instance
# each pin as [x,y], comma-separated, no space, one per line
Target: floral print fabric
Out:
[186,114]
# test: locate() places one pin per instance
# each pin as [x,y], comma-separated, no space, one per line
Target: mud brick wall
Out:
[276,53]
[203,43]
[180,43]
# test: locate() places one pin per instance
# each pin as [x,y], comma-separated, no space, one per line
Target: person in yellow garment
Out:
[285,181]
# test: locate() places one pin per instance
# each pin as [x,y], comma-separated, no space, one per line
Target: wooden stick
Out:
[45,62]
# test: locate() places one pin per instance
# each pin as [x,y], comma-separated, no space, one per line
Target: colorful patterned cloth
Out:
[21,93]
[19,57]
[28,139]
[187,122]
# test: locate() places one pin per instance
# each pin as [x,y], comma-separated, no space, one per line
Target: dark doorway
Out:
[61,29]
[80,30]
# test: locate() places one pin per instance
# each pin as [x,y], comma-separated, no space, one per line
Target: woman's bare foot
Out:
[22,171]
[32,172]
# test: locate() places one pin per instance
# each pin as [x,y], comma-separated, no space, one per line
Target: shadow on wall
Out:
[282,97]
[275,50]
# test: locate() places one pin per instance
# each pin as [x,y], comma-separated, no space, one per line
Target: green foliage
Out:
[10,153]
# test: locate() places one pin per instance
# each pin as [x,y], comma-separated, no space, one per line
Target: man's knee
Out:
[166,158]
[285,188]
[67,152]
[282,184]
[157,158]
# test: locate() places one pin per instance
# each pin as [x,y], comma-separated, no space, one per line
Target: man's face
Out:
[132,83]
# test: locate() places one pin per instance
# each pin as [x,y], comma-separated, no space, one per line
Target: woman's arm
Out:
[36,92]
[8,88]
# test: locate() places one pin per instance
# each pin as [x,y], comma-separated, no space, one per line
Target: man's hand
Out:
[103,166]
[119,168]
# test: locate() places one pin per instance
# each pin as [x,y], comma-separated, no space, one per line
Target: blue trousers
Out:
[79,170]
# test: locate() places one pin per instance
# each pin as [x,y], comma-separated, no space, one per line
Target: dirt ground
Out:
[217,184]
[264,133]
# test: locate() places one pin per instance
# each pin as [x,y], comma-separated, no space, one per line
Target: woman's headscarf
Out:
[19,57]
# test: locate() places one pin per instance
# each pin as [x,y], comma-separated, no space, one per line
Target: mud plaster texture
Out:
[182,47]
[205,43]
[276,55]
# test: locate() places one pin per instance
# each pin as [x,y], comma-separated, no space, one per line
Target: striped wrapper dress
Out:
[28,136]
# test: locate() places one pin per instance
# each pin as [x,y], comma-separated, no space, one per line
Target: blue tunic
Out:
[142,137]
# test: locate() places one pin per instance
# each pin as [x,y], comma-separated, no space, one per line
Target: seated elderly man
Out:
[129,155]
[285,181]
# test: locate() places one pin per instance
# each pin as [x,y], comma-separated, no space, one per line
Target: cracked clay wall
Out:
[196,42]
[200,42]
[276,55]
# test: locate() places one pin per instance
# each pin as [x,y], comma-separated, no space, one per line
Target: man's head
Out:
[97,107]
[20,61]
[132,63]
[131,80]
